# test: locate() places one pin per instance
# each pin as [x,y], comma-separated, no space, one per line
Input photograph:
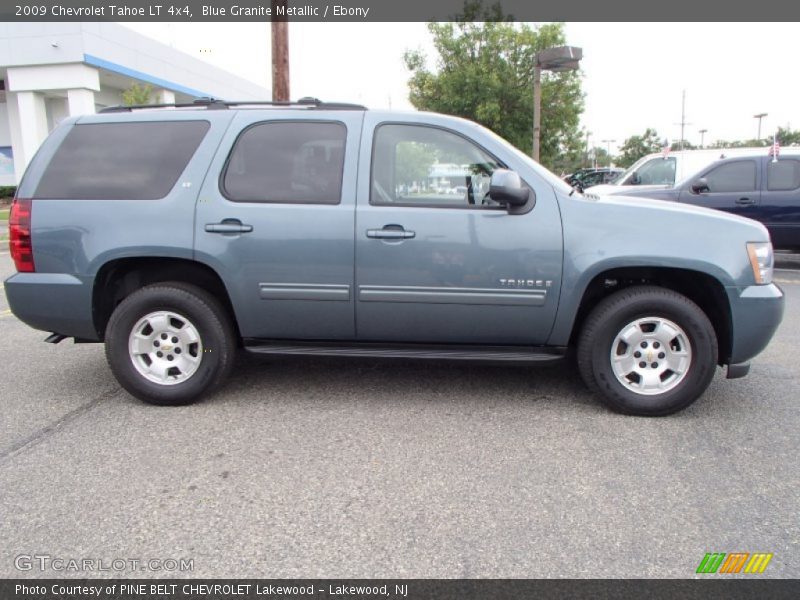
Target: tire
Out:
[676,346]
[148,322]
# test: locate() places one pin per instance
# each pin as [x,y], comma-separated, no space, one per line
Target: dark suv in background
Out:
[757,186]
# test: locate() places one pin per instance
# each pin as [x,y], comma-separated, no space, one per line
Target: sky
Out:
[633,74]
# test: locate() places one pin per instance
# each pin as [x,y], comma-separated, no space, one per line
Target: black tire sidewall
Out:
[186,302]
[703,343]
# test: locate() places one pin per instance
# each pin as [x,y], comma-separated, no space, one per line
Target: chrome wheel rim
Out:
[165,347]
[651,356]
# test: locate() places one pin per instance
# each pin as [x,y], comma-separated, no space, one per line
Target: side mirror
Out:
[700,186]
[635,179]
[506,187]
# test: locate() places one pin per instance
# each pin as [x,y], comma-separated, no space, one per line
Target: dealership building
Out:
[50,71]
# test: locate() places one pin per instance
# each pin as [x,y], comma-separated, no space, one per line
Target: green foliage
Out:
[137,94]
[637,146]
[7,191]
[484,72]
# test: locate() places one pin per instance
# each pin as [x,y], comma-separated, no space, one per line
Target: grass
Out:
[4,214]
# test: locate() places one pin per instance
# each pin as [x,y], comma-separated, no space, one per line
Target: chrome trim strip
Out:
[450,295]
[304,291]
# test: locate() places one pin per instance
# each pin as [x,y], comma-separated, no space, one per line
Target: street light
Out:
[702,136]
[561,58]
[759,116]
[608,149]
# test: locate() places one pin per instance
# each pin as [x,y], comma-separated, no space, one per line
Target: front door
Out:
[437,261]
[733,186]
[275,219]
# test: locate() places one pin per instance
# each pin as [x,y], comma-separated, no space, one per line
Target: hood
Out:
[635,206]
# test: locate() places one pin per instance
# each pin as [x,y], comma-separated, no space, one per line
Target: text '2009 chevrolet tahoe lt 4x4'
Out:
[178,235]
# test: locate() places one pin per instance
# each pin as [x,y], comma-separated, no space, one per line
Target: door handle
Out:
[745,202]
[390,232]
[228,226]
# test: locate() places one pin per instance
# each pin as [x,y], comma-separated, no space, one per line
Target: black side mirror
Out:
[700,186]
[635,179]
[506,187]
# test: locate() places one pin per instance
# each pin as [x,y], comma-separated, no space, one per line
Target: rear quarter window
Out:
[121,161]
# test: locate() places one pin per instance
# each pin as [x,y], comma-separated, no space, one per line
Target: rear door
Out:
[275,219]
[780,200]
[733,186]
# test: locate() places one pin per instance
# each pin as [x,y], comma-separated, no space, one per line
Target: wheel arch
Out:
[118,278]
[701,288]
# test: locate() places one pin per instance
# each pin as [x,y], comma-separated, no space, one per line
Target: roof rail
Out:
[216,104]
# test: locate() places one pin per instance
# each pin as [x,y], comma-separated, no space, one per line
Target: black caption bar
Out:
[396,589]
[392,10]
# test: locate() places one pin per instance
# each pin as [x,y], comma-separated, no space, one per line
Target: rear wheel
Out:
[170,343]
[647,351]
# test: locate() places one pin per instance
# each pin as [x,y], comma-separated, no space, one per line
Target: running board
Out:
[501,354]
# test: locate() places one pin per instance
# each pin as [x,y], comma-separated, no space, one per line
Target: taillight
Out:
[19,234]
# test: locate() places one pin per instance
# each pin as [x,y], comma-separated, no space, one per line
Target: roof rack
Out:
[216,104]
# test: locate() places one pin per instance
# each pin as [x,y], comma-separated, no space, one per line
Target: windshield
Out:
[620,179]
[541,170]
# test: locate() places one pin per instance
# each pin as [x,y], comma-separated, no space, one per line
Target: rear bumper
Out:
[756,312]
[53,302]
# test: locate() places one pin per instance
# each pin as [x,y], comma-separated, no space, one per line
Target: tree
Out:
[137,94]
[484,72]
[637,146]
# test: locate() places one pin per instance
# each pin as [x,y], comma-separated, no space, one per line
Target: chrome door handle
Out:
[390,232]
[228,226]
[745,202]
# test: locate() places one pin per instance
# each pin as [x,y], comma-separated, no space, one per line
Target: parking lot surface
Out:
[362,468]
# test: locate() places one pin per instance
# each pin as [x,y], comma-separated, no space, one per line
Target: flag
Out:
[775,149]
[665,147]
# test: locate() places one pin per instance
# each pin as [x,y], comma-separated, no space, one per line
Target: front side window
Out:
[659,171]
[783,175]
[287,162]
[121,161]
[736,176]
[426,166]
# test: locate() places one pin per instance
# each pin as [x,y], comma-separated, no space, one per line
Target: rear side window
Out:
[287,162]
[121,161]
[783,175]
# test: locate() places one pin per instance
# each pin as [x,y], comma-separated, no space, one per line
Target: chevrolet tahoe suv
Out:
[178,235]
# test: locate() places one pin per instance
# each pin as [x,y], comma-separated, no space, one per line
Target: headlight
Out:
[762,261]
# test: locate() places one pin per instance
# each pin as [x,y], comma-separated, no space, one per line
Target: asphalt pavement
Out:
[361,468]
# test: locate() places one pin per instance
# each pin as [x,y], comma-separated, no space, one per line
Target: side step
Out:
[501,354]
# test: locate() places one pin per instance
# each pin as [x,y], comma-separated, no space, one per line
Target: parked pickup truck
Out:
[178,235]
[751,184]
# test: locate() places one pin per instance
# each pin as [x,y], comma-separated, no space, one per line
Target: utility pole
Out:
[702,136]
[280,53]
[683,122]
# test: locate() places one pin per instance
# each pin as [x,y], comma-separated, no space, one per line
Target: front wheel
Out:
[647,351]
[169,343]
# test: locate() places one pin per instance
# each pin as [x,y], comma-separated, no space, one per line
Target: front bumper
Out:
[756,312]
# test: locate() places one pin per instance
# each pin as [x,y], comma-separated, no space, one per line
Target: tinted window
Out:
[783,175]
[419,165]
[737,176]
[659,171]
[121,161]
[287,162]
